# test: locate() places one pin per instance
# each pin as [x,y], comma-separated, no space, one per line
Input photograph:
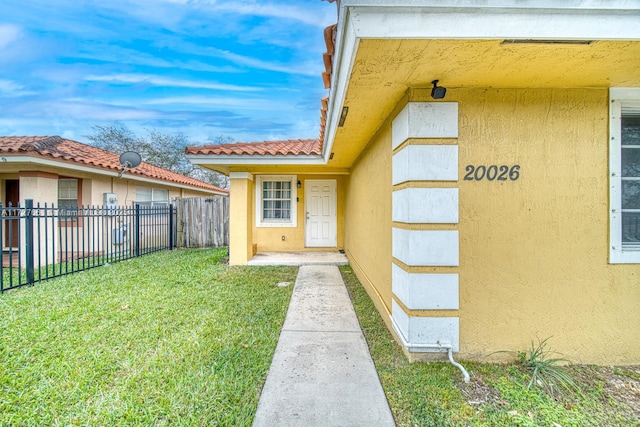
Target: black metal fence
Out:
[42,242]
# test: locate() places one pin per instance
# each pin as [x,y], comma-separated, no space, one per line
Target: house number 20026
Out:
[492,173]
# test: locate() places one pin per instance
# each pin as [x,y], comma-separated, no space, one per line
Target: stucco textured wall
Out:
[368,219]
[534,252]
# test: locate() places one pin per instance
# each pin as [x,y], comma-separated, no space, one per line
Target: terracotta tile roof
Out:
[330,42]
[295,147]
[76,152]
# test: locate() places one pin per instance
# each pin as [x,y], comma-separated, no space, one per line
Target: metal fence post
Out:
[28,237]
[171,226]
[137,230]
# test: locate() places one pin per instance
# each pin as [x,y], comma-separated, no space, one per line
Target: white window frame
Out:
[292,222]
[69,213]
[621,100]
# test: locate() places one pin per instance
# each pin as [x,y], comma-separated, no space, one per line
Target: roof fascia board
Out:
[346,48]
[534,19]
[99,171]
[223,159]
[489,23]
[598,5]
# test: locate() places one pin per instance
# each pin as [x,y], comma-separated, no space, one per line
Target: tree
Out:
[156,148]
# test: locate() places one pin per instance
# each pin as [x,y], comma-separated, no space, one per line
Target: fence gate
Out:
[202,222]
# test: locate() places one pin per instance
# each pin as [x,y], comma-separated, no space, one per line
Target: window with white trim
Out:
[68,198]
[625,176]
[276,197]
[147,196]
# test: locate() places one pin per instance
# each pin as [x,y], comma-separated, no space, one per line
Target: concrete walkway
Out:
[322,373]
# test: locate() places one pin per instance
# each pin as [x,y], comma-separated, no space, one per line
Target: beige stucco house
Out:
[62,172]
[479,164]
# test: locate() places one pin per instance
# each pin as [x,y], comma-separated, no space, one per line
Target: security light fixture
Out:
[438,92]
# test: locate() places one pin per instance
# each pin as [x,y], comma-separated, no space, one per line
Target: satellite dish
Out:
[129,160]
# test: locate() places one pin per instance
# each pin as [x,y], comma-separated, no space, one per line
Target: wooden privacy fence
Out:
[202,222]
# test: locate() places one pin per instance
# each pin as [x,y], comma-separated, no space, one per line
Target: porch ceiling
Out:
[384,69]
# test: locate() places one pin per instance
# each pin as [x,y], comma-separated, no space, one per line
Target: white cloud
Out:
[99,112]
[280,10]
[8,86]
[11,88]
[306,69]
[8,34]
[163,81]
[210,101]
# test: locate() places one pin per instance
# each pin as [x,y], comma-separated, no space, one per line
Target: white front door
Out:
[320,207]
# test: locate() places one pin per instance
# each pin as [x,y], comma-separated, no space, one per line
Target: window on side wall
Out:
[625,176]
[147,196]
[276,201]
[68,199]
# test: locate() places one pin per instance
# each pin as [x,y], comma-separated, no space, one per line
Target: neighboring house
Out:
[66,173]
[503,211]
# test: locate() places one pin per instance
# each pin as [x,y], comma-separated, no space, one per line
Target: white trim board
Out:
[621,99]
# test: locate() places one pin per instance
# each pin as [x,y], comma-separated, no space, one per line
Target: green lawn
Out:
[434,394]
[174,338]
[180,339]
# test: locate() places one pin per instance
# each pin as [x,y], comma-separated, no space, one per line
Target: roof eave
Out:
[25,158]
[533,19]
[255,159]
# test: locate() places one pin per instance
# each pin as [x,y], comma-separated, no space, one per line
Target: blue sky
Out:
[246,69]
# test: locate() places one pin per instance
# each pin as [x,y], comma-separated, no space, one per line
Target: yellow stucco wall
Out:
[368,219]
[240,230]
[533,252]
[244,232]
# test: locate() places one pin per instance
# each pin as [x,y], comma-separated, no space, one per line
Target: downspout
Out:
[439,346]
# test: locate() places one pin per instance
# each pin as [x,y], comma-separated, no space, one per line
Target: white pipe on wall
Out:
[439,346]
